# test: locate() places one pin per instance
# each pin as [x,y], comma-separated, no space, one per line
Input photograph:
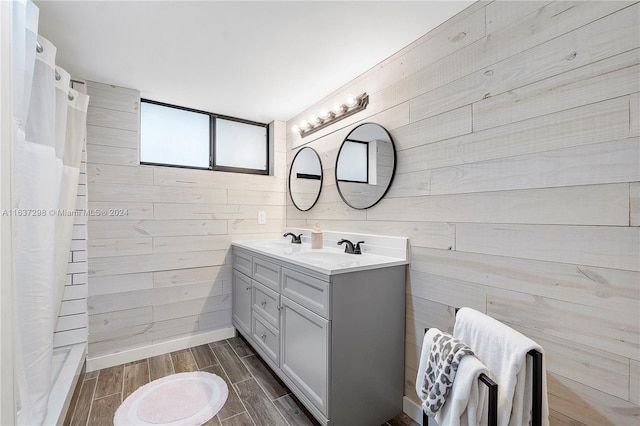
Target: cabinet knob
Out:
[248,288]
[264,336]
[263,303]
[279,307]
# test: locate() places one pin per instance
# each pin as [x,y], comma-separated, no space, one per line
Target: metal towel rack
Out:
[536,396]
[492,415]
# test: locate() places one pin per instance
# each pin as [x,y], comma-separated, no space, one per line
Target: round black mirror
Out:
[365,165]
[305,179]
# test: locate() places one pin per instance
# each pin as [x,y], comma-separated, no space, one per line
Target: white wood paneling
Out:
[191,276]
[155,228]
[502,61]
[596,368]
[107,247]
[601,122]
[150,193]
[115,210]
[634,382]
[424,313]
[605,246]
[214,211]
[154,262]
[616,332]
[432,129]
[202,305]
[447,291]
[501,16]
[113,97]
[120,283]
[586,285]
[584,165]
[152,297]
[114,174]
[108,136]
[167,176]
[634,123]
[103,117]
[122,319]
[570,205]
[588,405]
[634,204]
[606,79]
[190,243]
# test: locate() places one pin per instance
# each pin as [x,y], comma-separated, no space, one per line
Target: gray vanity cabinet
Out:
[337,341]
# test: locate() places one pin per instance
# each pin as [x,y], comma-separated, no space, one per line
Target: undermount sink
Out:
[324,256]
[273,244]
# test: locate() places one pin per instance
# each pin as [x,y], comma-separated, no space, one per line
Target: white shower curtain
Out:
[49,123]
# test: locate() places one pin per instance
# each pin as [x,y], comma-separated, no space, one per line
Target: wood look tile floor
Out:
[256,395]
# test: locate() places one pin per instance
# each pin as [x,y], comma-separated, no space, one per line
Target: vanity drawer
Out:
[267,303]
[306,290]
[266,337]
[267,273]
[242,262]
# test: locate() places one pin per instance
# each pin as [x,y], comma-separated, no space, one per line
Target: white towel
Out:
[465,403]
[504,351]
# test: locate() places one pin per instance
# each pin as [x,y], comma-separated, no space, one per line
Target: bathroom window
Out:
[182,137]
[353,162]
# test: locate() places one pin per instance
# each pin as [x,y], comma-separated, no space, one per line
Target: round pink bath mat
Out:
[178,399]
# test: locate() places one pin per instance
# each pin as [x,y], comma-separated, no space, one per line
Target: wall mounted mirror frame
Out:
[365,166]
[305,179]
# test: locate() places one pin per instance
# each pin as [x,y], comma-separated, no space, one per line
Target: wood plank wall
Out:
[516,129]
[160,269]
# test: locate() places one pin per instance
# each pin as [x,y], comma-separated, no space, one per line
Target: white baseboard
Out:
[110,360]
[412,410]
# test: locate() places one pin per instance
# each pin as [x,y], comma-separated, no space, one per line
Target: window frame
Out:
[366,164]
[212,141]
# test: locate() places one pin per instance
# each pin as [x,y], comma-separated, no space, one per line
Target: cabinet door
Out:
[242,302]
[304,353]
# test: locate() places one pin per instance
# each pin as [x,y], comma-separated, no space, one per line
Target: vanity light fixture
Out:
[326,117]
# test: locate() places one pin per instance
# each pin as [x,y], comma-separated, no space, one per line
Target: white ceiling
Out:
[260,61]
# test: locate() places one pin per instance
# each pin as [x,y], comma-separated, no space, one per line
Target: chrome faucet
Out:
[294,239]
[350,248]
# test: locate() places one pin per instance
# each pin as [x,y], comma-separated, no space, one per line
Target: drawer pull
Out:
[264,336]
[263,303]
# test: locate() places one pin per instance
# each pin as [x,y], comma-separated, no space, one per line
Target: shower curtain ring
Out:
[70,96]
[58,77]
[39,47]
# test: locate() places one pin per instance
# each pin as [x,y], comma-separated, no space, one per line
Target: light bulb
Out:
[351,101]
[295,128]
[324,113]
[304,125]
[337,108]
[313,120]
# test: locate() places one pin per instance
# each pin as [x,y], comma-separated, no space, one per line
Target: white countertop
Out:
[327,260]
